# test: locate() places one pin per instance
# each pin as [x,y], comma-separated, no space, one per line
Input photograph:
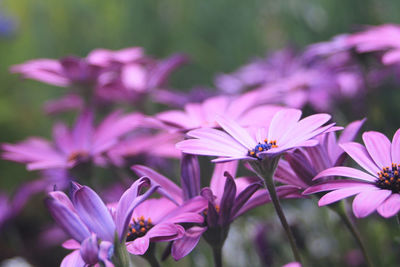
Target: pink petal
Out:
[343,193]
[390,206]
[138,246]
[366,202]
[378,146]
[333,185]
[281,124]
[396,147]
[361,156]
[346,172]
[237,132]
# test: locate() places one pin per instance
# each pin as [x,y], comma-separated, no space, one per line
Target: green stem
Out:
[121,253]
[341,211]
[266,171]
[217,253]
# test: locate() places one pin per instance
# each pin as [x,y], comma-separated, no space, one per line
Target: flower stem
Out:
[341,211]
[122,256]
[266,171]
[217,253]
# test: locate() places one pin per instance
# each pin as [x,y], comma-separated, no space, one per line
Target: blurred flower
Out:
[262,246]
[301,165]
[81,144]
[284,132]
[378,188]
[292,264]
[91,225]
[66,103]
[385,38]
[179,99]
[196,115]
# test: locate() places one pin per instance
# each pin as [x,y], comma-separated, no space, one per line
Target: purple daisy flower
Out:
[83,143]
[301,165]
[285,131]
[376,189]
[158,220]
[89,222]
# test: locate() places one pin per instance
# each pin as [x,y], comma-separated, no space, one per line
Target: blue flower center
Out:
[389,178]
[138,228]
[260,147]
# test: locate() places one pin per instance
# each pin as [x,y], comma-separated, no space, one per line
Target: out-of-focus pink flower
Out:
[66,103]
[384,38]
[83,143]
[243,109]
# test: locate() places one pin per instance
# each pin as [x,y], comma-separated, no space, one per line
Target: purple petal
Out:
[350,132]
[333,185]
[94,213]
[129,200]
[227,200]
[90,250]
[396,147]
[230,159]
[138,246]
[67,219]
[211,148]
[300,165]
[193,205]
[361,156]
[105,253]
[390,206]
[281,124]
[82,131]
[217,182]
[190,176]
[366,202]
[183,246]
[243,197]
[343,193]
[212,215]
[73,259]
[163,181]
[378,146]
[346,172]
[237,132]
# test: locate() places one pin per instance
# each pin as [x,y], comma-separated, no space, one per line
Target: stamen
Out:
[138,228]
[260,147]
[389,178]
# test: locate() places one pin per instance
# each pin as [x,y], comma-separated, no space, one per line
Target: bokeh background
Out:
[219,36]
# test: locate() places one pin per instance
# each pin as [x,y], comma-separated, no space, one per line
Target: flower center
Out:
[260,147]
[389,178]
[78,156]
[138,228]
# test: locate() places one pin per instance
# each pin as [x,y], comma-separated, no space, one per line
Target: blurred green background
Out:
[218,35]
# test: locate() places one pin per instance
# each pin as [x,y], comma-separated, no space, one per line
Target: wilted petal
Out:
[183,246]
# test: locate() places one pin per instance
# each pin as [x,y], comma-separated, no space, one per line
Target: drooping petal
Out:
[90,250]
[73,259]
[366,202]
[163,181]
[343,193]
[94,213]
[360,154]
[183,246]
[346,172]
[379,148]
[390,207]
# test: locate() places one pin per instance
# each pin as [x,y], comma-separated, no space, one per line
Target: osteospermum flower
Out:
[89,222]
[285,131]
[376,189]
[71,147]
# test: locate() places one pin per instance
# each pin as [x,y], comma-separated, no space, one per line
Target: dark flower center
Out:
[78,156]
[260,147]
[138,228]
[389,178]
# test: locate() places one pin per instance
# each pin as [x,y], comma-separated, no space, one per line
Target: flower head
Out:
[376,189]
[89,222]
[70,147]
[285,131]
